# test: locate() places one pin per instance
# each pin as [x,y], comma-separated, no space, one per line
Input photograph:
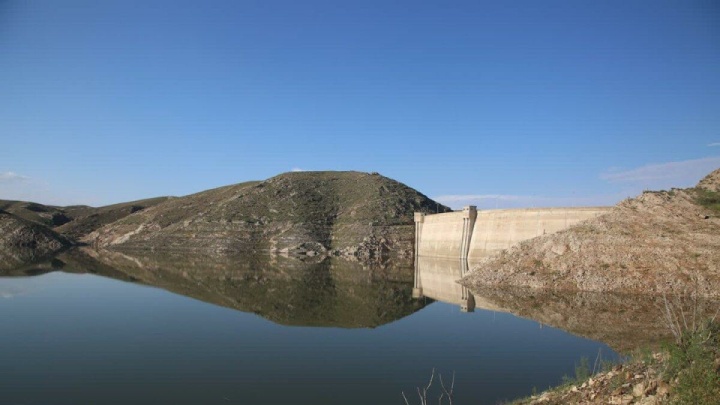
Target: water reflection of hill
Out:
[624,322]
[288,291]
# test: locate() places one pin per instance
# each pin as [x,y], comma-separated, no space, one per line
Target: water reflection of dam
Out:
[436,278]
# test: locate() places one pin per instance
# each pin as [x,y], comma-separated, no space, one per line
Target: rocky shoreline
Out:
[638,382]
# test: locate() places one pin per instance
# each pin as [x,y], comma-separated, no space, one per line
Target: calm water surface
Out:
[87,339]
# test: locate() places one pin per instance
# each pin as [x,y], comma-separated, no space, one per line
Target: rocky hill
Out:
[344,213]
[22,240]
[665,241]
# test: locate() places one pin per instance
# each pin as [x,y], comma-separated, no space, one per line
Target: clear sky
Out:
[496,103]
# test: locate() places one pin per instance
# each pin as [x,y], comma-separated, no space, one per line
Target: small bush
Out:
[582,370]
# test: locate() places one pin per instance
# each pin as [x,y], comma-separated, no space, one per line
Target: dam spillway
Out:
[471,235]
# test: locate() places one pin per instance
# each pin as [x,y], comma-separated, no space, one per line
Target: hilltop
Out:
[658,242]
[343,213]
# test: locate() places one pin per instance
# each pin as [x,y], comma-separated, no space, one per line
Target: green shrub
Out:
[692,362]
[582,372]
[707,198]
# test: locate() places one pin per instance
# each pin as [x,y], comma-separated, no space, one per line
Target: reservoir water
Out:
[141,330]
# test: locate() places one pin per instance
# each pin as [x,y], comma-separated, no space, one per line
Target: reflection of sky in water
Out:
[85,339]
[13,287]
[7,292]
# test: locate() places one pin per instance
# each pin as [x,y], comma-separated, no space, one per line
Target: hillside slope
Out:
[22,241]
[667,241]
[349,213]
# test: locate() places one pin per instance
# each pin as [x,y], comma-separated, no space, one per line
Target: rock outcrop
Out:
[659,242]
[637,382]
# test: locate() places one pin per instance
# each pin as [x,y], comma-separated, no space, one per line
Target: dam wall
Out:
[496,230]
[472,235]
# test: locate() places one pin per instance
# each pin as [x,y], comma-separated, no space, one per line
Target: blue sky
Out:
[498,103]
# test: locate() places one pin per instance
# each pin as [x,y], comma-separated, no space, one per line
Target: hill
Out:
[344,213]
[22,240]
[659,242]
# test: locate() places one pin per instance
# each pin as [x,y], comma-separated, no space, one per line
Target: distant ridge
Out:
[75,221]
[88,219]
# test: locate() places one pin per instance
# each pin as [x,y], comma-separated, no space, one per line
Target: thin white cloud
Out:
[297,169]
[14,186]
[10,293]
[714,144]
[7,177]
[682,173]
[479,197]
[491,201]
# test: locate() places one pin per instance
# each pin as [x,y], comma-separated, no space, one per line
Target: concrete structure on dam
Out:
[472,235]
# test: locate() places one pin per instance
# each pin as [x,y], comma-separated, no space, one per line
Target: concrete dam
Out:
[445,243]
[473,235]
